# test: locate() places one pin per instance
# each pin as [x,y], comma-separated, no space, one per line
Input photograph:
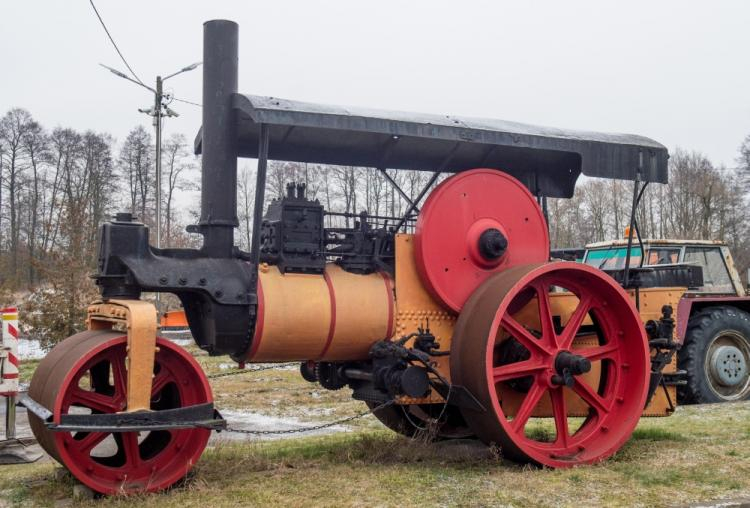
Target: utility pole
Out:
[158,97]
[157,112]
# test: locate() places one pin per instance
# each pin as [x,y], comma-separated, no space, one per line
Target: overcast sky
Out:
[676,71]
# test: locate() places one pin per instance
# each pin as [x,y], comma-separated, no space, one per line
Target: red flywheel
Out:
[473,225]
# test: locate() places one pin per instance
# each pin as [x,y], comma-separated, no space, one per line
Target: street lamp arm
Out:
[184,69]
[124,76]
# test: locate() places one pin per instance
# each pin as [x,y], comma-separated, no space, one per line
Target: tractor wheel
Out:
[716,356]
[86,373]
[514,356]
[427,420]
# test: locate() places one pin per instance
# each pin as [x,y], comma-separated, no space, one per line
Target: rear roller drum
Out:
[512,352]
[86,373]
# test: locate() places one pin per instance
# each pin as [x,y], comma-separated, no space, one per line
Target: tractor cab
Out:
[713,257]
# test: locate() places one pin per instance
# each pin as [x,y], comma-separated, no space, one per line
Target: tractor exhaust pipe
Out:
[219,163]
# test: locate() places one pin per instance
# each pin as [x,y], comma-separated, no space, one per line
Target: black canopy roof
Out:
[547,160]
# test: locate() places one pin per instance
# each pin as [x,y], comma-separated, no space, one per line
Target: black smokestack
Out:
[219,144]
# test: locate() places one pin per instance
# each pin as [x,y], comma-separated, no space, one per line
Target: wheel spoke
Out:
[590,397]
[596,353]
[129,443]
[94,401]
[159,382]
[522,335]
[120,378]
[545,314]
[560,412]
[527,407]
[565,340]
[516,370]
[87,443]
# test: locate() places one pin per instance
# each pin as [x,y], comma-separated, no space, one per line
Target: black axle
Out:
[492,244]
[568,365]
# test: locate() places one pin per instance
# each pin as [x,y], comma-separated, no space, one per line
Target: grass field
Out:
[701,453]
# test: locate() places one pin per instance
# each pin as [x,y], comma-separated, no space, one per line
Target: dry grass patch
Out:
[701,453]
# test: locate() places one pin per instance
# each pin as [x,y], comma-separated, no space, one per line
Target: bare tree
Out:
[743,162]
[13,128]
[136,166]
[35,144]
[178,161]
[245,204]
[346,178]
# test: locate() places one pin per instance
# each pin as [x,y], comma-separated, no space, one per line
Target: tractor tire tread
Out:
[702,327]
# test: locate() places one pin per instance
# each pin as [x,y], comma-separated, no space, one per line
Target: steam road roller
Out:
[449,319]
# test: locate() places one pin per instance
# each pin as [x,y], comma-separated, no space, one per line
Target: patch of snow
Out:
[317,411]
[180,342]
[29,349]
[249,420]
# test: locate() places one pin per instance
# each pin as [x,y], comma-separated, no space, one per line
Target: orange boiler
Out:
[335,317]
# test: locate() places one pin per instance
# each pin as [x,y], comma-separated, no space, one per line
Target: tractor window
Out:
[613,258]
[715,276]
[663,255]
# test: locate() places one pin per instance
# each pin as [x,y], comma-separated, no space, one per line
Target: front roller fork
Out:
[139,319]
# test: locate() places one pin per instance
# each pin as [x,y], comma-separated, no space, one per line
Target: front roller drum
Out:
[86,374]
[520,360]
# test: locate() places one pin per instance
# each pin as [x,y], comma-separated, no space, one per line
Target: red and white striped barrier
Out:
[9,352]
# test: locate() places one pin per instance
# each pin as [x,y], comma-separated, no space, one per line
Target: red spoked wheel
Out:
[86,373]
[556,339]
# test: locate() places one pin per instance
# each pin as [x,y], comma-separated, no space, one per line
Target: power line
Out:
[187,102]
[114,43]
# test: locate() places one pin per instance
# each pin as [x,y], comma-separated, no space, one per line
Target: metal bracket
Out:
[139,319]
[199,415]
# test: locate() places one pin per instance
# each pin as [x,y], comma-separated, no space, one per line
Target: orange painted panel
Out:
[363,309]
[296,316]
[335,316]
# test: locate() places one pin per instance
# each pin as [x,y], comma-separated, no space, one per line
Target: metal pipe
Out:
[219,163]
[416,202]
[435,175]
[260,192]
[10,417]
[636,198]
[358,374]
[398,189]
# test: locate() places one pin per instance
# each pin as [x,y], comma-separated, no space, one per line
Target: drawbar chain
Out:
[313,427]
[248,371]
[301,429]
